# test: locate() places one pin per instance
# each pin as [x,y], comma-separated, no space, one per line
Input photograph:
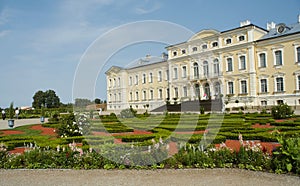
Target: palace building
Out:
[247,66]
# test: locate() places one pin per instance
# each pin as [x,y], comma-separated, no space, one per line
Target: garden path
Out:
[20,122]
[180,177]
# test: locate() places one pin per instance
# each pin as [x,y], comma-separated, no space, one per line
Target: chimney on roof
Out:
[271,25]
[245,23]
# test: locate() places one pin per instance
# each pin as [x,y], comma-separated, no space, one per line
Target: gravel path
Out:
[145,177]
[20,122]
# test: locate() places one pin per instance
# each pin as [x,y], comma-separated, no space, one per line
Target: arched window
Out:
[205,68]
[216,67]
[217,88]
[206,91]
[196,70]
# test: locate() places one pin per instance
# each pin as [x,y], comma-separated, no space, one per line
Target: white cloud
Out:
[5,14]
[148,8]
[4,33]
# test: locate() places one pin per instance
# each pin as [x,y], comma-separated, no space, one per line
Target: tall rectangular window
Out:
[160,96]
[150,77]
[185,91]
[243,87]
[262,60]
[144,78]
[263,86]
[298,82]
[136,96]
[229,65]
[176,92]
[242,62]
[216,68]
[119,82]
[120,97]
[278,57]
[131,98]
[298,54]
[159,76]
[130,80]
[279,84]
[230,88]
[175,73]
[184,72]
[144,95]
[151,94]
[167,74]
[136,79]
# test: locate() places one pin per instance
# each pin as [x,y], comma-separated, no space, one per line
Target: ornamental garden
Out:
[84,140]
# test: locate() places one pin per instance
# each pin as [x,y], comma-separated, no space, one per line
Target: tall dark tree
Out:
[47,99]
[98,101]
[51,99]
[38,99]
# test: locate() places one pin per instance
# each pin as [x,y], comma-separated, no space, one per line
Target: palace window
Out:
[159,76]
[160,96]
[130,80]
[184,71]
[243,87]
[167,74]
[144,78]
[216,67]
[262,60]
[136,96]
[136,79]
[279,84]
[230,88]
[175,73]
[195,49]
[205,68]
[278,57]
[228,41]
[176,92]
[144,95]
[229,65]
[242,62]
[204,46]
[196,70]
[131,98]
[151,94]
[183,51]
[174,53]
[263,103]
[185,94]
[241,38]
[263,86]
[298,82]
[150,77]
[215,44]
[298,54]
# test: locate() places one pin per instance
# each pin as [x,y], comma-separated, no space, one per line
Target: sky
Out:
[42,41]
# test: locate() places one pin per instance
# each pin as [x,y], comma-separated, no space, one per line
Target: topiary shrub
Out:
[281,111]
[128,113]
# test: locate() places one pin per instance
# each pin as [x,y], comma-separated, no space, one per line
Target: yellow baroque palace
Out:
[248,66]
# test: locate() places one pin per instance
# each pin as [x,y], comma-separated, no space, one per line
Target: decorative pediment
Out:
[203,34]
[113,70]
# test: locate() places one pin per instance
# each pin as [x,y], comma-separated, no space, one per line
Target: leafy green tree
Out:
[51,99]
[38,99]
[81,102]
[47,99]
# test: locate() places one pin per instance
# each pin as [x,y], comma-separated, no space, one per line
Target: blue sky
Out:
[42,41]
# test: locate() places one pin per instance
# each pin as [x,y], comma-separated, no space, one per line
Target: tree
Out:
[38,99]
[48,99]
[51,99]
[98,101]
[81,102]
